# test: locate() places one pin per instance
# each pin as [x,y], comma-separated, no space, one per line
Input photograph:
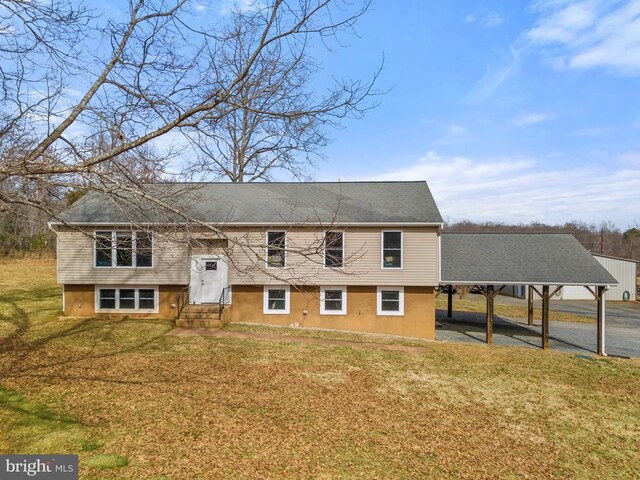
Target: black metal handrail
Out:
[183,299]
[224,299]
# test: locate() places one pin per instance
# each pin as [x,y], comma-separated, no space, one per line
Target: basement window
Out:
[126,299]
[333,300]
[107,298]
[277,300]
[146,298]
[390,301]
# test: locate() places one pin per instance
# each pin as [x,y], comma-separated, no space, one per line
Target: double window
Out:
[390,301]
[392,249]
[123,249]
[277,299]
[114,299]
[276,249]
[333,249]
[333,300]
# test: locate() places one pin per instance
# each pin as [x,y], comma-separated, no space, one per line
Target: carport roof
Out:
[519,259]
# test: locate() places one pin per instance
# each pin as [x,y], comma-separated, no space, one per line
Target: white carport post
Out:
[598,293]
[601,320]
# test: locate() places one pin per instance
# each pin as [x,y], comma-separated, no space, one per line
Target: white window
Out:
[333,249]
[391,301]
[333,300]
[276,299]
[391,249]
[276,249]
[123,249]
[118,299]
[146,299]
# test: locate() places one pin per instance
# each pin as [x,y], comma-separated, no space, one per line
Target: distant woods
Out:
[605,238]
[24,230]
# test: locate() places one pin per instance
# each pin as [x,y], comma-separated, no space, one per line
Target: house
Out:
[361,256]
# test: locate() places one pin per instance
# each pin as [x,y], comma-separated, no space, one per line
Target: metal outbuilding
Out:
[624,270]
[538,260]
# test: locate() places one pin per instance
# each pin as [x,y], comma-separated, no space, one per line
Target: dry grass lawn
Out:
[135,403]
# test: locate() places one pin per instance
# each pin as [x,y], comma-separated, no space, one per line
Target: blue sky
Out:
[513,111]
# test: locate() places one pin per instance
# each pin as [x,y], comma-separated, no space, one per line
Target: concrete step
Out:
[209,308]
[198,323]
[199,315]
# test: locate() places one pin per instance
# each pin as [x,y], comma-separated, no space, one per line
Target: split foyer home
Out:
[361,256]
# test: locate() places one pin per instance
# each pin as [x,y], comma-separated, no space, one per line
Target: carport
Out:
[541,261]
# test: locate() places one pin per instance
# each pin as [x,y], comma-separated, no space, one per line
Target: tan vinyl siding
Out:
[363,259]
[305,265]
[76,263]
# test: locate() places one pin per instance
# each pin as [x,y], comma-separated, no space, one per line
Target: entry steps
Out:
[199,316]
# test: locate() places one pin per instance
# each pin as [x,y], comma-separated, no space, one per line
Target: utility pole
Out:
[602,241]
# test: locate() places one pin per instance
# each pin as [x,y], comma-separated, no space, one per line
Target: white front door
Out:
[208,278]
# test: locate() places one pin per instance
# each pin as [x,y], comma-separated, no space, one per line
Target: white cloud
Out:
[488,21]
[201,7]
[492,20]
[589,34]
[591,132]
[530,119]
[572,34]
[453,134]
[518,190]
[456,130]
[229,6]
[564,24]
[495,75]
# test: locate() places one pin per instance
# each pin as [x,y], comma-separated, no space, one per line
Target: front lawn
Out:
[135,403]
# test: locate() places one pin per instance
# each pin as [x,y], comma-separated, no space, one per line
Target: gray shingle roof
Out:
[264,203]
[519,258]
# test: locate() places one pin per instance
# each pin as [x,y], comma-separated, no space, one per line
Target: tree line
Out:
[606,238]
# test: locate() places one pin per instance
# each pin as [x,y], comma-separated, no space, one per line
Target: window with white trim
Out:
[104,249]
[390,301]
[333,249]
[123,249]
[276,249]
[333,300]
[126,298]
[276,299]
[146,298]
[107,299]
[392,249]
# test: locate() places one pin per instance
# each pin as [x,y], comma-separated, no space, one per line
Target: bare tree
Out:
[84,98]
[272,121]
[462,290]
[65,70]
